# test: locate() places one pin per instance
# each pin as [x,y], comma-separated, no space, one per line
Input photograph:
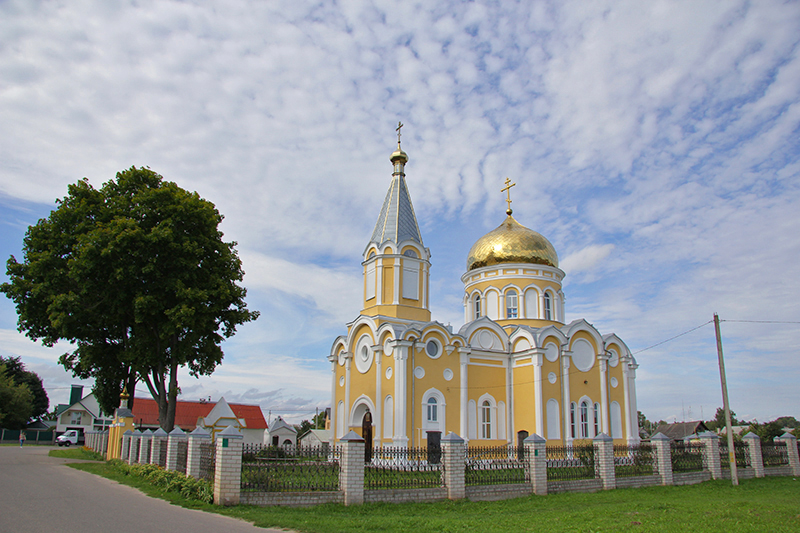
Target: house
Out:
[315,438]
[681,430]
[281,433]
[82,413]
[248,419]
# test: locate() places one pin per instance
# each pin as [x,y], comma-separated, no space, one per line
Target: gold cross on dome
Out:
[399,125]
[507,190]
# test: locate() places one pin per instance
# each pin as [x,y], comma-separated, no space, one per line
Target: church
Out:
[400,378]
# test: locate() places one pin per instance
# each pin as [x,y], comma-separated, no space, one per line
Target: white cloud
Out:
[653,143]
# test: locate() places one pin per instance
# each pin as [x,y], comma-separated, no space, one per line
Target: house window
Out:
[596,419]
[584,419]
[548,306]
[75,417]
[486,420]
[573,407]
[433,410]
[477,306]
[511,304]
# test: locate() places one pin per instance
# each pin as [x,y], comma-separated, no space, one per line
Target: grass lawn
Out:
[766,504]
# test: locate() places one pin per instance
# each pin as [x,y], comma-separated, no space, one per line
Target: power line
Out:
[672,338]
[762,321]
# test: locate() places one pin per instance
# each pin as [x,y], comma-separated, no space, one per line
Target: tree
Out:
[137,275]
[768,431]
[16,401]
[17,372]
[719,420]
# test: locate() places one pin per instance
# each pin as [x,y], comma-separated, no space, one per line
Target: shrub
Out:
[168,480]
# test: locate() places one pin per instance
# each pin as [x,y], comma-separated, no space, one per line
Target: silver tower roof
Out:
[397,222]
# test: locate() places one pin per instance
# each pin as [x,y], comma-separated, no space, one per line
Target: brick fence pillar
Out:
[753,442]
[791,450]
[136,444]
[228,467]
[455,452]
[604,460]
[196,438]
[159,441]
[663,450]
[536,463]
[351,472]
[711,453]
[174,440]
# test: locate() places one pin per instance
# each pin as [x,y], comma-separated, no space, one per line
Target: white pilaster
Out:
[626,394]
[398,272]
[565,360]
[348,360]
[463,354]
[377,420]
[400,352]
[602,360]
[536,360]
[379,278]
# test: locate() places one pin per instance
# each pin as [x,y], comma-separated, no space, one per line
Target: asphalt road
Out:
[40,494]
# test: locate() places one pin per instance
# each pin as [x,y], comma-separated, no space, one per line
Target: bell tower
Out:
[396,263]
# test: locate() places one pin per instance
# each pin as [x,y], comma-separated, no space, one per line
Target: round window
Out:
[432,348]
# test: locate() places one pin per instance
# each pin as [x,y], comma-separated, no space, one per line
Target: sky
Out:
[655,144]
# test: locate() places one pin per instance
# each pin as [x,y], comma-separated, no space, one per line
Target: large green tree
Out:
[16,401]
[17,372]
[137,275]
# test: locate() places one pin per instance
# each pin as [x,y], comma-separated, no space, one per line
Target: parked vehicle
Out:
[71,436]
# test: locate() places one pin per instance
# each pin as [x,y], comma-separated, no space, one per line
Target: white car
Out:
[69,437]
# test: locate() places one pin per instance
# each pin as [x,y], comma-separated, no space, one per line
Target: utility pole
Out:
[728,428]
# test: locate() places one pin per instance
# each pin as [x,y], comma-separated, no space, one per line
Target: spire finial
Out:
[507,190]
[399,126]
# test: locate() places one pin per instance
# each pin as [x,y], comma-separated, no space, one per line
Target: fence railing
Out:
[403,468]
[496,465]
[289,468]
[565,463]
[634,460]
[687,456]
[208,460]
[182,456]
[774,454]
[740,452]
[162,455]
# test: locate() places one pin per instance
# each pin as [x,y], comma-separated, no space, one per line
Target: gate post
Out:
[604,460]
[711,453]
[536,464]
[753,442]
[792,452]
[454,449]
[662,445]
[228,467]
[351,473]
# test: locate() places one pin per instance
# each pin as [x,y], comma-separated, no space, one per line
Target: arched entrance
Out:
[366,434]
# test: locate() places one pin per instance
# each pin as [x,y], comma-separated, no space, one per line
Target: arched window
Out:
[548,306]
[486,420]
[596,419]
[433,410]
[573,407]
[511,304]
[477,307]
[584,419]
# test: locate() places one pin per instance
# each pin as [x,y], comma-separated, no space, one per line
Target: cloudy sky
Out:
[654,143]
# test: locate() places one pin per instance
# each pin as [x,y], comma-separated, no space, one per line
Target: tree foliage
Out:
[137,274]
[16,401]
[17,372]
[719,420]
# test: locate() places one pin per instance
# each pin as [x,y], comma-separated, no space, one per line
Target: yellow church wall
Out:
[524,397]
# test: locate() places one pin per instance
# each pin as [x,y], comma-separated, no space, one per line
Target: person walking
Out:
[21,438]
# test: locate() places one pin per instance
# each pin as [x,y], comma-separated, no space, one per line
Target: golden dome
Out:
[511,242]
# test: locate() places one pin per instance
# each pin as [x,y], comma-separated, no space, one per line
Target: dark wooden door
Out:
[366,434]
